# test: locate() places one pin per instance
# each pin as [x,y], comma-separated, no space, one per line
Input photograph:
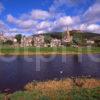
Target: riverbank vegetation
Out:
[65,89]
[47,50]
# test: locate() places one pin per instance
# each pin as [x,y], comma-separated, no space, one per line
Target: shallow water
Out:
[15,72]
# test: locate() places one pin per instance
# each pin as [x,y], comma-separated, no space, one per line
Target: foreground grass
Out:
[47,50]
[67,89]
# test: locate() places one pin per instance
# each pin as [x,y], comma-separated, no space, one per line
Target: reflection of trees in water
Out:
[47,70]
[19,68]
[51,68]
[77,68]
[76,59]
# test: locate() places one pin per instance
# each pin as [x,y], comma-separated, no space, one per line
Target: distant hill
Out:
[85,34]
[77,33]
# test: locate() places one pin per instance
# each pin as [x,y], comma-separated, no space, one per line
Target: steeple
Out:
[68,33]
[67,37]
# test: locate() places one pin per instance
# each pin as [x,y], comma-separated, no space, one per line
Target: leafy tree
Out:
[47,38]
[58,35]
[18,37]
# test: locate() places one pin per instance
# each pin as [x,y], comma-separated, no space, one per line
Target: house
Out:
[90,42]
[96,40]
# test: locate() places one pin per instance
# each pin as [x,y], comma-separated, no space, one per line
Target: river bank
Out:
[48,51]
[65,89]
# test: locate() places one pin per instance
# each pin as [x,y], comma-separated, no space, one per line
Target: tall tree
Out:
[18,37]
[47,38]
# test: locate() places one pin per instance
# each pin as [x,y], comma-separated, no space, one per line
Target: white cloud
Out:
[92,15]
[66,20]
[40,14]
[36,25]
[11,19]
[28,23]
[40,21]
[1,7]
[62,23]
[57,4]
[94,28]
[3,26]
[44,25]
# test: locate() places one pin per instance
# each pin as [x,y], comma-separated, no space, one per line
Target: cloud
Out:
[92,15]
[38,21]
[44,25]
[1,7]
[94,28]
[41,24]
[61,23]
[28,23]
[3,26]
[63,4]
[66,20]
[11,19]
[40,14]
[35,21]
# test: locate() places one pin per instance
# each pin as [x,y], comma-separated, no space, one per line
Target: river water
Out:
[17,71]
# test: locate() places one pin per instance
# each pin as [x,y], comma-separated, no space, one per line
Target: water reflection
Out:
[14,75]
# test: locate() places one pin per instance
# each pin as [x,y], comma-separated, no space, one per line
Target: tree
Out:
[18,38]
[47,38]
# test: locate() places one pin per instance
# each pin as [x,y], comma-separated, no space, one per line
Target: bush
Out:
[8,42]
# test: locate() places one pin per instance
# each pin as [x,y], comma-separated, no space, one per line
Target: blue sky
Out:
[40,16]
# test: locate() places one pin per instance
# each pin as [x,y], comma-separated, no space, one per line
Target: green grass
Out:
[8,50]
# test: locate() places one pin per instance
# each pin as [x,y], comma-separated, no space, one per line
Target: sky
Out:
[41,16]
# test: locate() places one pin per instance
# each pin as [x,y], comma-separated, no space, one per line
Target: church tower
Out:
[68,37]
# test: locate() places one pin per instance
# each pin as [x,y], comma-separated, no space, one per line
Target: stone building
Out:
[38,40]
[67,38]
[26,41]
[55,43]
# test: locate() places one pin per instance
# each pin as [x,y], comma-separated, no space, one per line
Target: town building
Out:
[38,40]
[55,43]
[26,41]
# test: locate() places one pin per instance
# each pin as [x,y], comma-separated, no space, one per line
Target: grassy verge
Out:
[67,89]
[49,50]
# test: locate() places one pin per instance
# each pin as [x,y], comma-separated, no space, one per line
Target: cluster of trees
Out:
[49,36]
[18,37]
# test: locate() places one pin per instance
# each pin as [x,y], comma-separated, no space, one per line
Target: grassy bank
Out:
[32,50]
[67,89]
